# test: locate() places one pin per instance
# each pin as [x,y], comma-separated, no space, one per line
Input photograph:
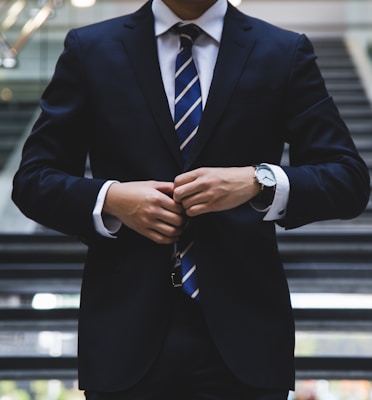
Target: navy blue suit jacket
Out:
[106,99]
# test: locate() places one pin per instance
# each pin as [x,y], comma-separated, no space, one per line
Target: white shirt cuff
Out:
[105,225]
[277,209]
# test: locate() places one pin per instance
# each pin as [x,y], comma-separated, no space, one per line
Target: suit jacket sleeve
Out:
[50,186]
[328,179]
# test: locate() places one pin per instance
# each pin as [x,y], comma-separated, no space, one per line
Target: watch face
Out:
[265,176]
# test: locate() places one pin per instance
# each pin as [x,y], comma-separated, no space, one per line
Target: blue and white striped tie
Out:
[188,111]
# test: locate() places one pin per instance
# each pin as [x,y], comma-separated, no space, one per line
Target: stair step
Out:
[360,127]
[352,111]
[11,128]
[41,248]
[13,116]
[348,86]
[8,143]
[328,54]
[355,99]
[331,45]
[348,74]
[336,62]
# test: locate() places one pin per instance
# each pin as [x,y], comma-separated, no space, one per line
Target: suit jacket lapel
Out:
[140,44]
[236,45]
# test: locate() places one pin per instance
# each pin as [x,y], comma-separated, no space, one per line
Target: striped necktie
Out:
[188,100]
[188,111]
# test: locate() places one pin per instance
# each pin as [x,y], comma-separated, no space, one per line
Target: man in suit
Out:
[112,97]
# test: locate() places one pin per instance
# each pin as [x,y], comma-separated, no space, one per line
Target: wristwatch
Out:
[266,178]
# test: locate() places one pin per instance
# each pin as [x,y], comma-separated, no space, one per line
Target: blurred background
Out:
[328,265]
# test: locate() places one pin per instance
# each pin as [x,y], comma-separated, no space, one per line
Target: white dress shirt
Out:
[205,51]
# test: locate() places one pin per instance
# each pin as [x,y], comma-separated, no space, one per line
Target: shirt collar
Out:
[211,22]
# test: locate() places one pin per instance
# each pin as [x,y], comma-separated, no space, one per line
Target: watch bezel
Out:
[259,178]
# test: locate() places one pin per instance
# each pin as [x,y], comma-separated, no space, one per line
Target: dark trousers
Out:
[189,366]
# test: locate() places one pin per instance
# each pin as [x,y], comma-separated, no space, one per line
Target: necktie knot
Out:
[188,34]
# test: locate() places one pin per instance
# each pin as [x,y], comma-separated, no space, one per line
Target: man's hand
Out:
[214,189]
[148,208]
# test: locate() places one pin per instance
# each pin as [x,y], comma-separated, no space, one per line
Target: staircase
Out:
[326,257]
[14,117]
[38,341]
[336,256]
[346,88]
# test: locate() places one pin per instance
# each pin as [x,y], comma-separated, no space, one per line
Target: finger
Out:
[159,231]
[165,196]
[185,178]
[172,219]
[167,230]
[198,209]
[187,190]
[164,187]
[169,204]
[159,238]
[194,199]
[163,233]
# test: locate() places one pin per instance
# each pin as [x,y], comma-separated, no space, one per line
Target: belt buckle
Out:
[176,274]
[176,278]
